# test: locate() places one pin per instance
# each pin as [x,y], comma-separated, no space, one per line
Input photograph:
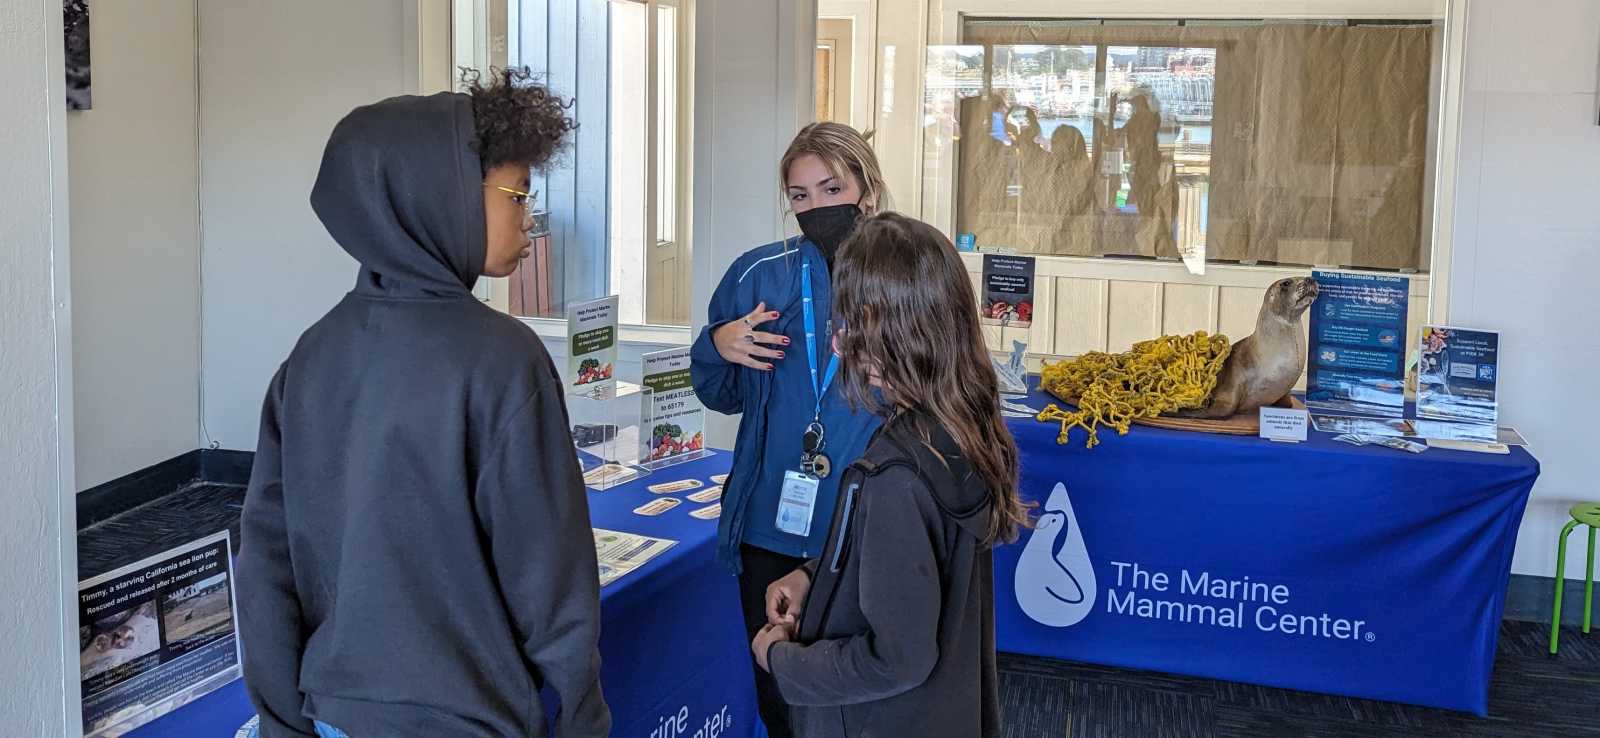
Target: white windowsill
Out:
[663,335]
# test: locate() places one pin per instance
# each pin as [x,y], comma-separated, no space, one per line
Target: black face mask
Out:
[829,226]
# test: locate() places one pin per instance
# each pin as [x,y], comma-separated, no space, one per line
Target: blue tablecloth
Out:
[672,644]
[1320,566]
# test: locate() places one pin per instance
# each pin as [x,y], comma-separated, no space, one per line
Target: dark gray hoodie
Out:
[896,637]
[416,557]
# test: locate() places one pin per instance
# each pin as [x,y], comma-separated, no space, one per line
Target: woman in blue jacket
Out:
[766,353]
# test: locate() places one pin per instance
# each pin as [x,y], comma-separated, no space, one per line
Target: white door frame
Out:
[863,15]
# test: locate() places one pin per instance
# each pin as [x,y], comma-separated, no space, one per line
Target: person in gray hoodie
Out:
[890,632]
[416,557]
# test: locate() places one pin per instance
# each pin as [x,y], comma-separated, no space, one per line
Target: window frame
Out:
[478,23]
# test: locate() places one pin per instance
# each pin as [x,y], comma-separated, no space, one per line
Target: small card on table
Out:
[669,488]
[1284,424]
[709,494]
[657,506]
[710,512]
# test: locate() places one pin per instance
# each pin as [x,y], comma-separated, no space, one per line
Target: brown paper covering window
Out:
[1317,155]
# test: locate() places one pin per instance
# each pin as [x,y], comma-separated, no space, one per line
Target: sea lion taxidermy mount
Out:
[1264,366]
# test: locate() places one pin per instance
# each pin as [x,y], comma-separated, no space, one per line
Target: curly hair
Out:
[517,120]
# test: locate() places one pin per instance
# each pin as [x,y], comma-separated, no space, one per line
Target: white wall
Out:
[135,171]
[752,92]
[38,612]
[274,79]
[1527,242]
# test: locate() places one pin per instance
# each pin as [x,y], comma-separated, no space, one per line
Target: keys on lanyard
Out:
[812,459]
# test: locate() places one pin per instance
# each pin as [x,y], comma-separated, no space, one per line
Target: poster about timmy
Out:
[155,635]
[1008,290]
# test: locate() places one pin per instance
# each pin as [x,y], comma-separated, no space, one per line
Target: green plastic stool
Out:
[1587,513]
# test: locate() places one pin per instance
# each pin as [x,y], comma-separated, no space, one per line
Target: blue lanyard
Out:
[811,340]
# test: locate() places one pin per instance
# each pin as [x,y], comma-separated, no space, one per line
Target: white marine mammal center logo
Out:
[1055,585]
[1055,582]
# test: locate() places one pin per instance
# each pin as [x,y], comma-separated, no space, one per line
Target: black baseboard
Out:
[98,504]
[219,466]
[213,466]
[1531,599]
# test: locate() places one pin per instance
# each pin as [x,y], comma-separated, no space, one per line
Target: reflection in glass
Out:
[954,74]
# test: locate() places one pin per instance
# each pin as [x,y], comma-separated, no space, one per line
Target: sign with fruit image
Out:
[678,419]
[592,345]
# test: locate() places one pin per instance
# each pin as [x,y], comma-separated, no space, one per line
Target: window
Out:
[614,207]
[1100,141]
[1166,169]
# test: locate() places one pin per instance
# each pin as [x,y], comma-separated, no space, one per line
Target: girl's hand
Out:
[769,635]
[740,343]
[785,597]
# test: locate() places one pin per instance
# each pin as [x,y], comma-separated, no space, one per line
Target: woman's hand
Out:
[740,343]
[769,635]
[786,596]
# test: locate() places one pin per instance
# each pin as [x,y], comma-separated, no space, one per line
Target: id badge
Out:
[797,503]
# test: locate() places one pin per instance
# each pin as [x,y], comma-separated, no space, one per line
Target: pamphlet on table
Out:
[1428,429]
[621,553]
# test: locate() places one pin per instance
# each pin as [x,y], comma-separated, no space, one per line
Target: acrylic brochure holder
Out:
[610,430]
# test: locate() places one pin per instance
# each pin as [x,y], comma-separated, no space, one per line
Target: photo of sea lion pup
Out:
[1263,367]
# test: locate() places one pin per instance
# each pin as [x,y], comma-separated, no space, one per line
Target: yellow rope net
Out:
[1165,375]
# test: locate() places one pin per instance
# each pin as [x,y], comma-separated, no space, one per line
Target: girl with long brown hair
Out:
[891,630]
[765,354]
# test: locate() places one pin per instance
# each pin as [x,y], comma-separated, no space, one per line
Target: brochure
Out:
[1457,375]
[621,553]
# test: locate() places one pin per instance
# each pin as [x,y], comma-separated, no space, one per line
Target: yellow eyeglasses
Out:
[525,199]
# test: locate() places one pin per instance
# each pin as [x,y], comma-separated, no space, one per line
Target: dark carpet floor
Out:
[158,526]
[1534,694]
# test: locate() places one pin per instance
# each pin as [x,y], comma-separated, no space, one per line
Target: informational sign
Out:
[592,346]
[1008,283]
[155,635]
[620,553]
[1357,348]
[1284,424]
[677,418]
[1457,375]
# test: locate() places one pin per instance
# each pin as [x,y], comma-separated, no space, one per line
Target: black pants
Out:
[761,568]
